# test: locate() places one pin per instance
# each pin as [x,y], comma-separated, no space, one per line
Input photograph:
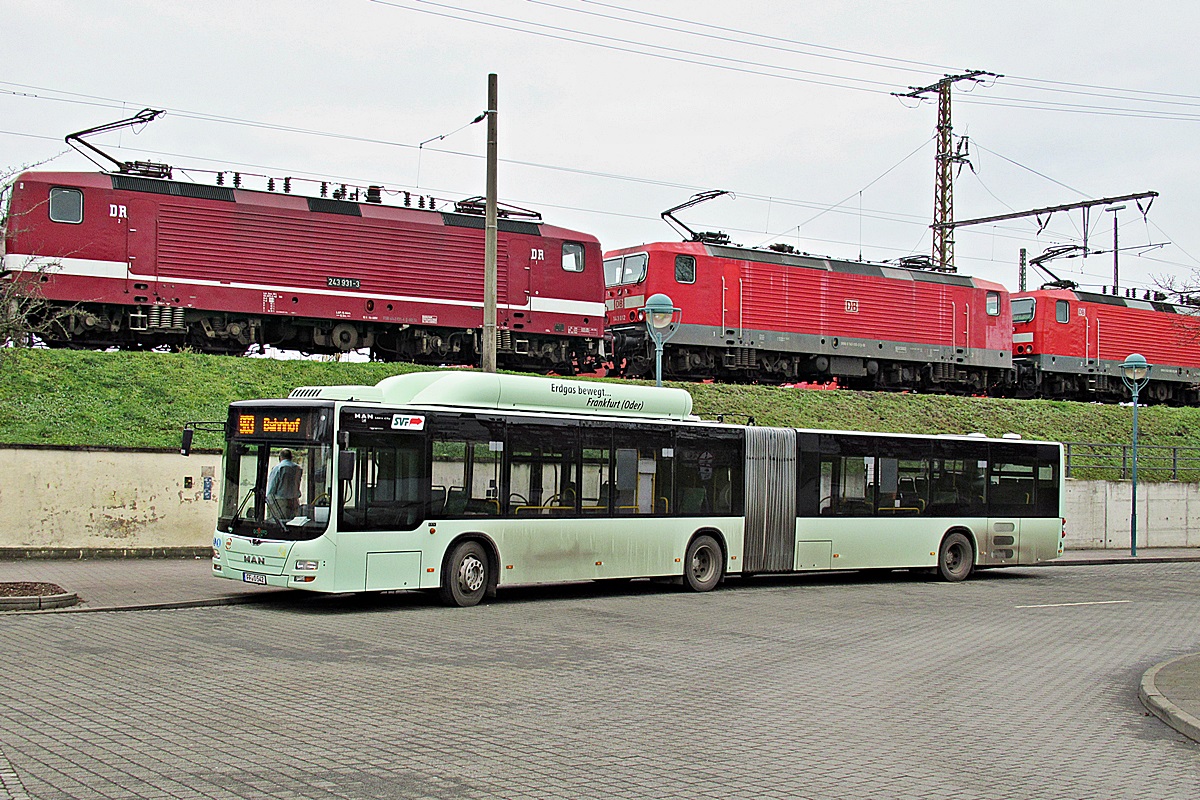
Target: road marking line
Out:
[1092,603]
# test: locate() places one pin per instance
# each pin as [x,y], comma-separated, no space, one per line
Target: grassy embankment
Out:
[143,399]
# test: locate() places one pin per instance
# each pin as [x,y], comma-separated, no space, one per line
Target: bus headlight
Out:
[306,565]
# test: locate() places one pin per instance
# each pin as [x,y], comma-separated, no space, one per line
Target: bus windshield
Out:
[1022,309]
[274,491]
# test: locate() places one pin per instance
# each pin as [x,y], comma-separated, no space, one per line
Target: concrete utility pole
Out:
[946,158]
[1116,250]
[488,346]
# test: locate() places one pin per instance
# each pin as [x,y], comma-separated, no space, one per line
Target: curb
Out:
[1164,709]
[1067,561]
[86,553]
[233,600]
[38,602]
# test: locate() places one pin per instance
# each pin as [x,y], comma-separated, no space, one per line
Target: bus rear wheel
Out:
[465,575]
[955,558]
[704,564]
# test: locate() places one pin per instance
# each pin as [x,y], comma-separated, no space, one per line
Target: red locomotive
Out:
[775,316]
[1069,344]
[146,262]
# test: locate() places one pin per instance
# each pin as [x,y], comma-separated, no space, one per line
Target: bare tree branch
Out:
[25,315]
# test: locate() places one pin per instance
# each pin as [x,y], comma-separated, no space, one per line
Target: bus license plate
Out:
[254,577]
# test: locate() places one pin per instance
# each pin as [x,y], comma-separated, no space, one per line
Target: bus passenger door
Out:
[641,486]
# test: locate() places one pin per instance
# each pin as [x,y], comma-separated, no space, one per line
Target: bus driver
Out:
[283,487]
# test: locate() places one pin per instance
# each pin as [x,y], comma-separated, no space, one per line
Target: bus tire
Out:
[465,575]
[956,558]
[703,565]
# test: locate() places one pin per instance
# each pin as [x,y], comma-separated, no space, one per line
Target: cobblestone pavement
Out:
[1016,684]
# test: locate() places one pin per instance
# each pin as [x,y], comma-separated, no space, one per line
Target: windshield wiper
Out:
[237,515]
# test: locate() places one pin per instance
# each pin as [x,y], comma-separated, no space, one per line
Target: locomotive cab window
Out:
[572,256]
[685,269]
[66,205]
[1062,311]
[1023,309]
[625,270]
[993,304]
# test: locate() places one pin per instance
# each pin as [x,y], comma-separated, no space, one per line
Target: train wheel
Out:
[704,564]
[465,575]
[956,558]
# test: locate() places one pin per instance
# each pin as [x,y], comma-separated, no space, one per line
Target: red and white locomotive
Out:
[1069,344]
[776,316]
[144,262]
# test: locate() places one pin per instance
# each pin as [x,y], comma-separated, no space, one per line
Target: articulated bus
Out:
[464,482]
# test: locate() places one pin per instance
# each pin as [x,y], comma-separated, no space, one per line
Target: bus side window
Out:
[465,477]
[643,471]
[596,486]
[387,490]
[958,479]
[1047,488]
[543,470]
[709,474]
[1012,489]
[855,490]
[903,486]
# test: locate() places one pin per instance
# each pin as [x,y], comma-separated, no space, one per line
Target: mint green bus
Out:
[466,482]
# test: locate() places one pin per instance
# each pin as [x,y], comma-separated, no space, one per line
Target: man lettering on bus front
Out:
[283,487]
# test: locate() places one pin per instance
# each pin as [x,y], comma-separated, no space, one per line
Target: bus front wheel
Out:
[465,575]
[956,558]
[704,564]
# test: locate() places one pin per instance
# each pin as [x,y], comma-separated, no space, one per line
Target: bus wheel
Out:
[703,566]
[464,575]
[955,558]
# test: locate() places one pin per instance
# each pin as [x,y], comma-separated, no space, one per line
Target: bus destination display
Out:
[274,424]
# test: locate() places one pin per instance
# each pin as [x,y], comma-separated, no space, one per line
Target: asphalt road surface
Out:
[1016,684]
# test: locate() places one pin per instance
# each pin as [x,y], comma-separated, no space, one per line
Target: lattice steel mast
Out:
[947,157]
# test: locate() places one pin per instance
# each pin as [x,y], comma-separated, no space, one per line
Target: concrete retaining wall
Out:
[86,498]
[62,499]
[1099,514]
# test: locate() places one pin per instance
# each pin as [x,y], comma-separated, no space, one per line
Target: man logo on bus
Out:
[404,422]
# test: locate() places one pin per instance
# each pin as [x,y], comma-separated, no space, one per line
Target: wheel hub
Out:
[471,574]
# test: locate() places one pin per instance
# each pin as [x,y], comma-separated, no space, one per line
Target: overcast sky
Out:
[609,116]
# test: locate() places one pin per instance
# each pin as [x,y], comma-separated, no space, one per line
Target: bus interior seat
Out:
[456,500]
[691,501]
[437,500]
[483,506]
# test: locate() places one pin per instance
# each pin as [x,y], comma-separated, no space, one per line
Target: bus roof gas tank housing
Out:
[455,389]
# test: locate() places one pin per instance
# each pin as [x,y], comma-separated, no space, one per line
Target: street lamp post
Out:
[1135,371]
[660,323]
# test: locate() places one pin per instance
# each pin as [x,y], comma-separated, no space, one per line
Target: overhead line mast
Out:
[947,157]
